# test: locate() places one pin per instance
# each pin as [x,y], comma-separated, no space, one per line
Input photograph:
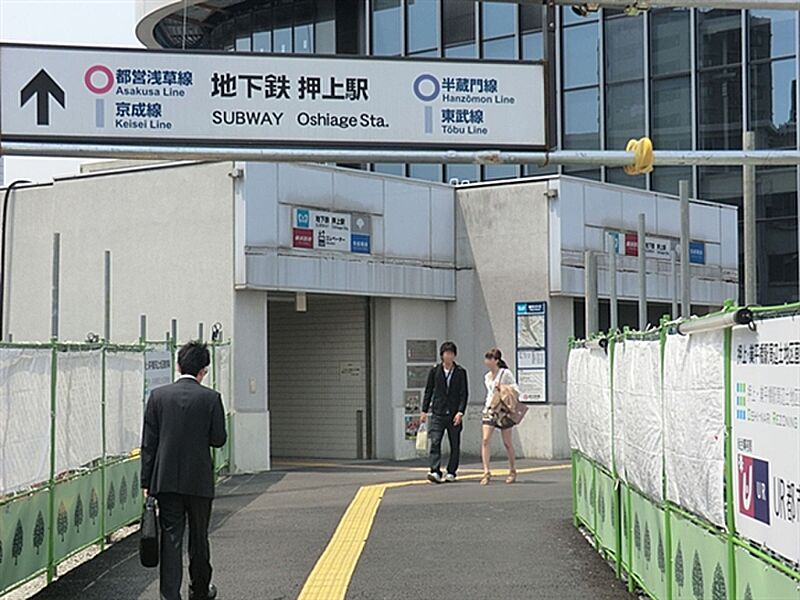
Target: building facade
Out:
[337,286]
[688,79]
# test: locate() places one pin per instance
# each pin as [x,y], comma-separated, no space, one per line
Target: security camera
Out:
[583,10]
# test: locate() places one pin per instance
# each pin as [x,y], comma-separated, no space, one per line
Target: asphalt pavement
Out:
[455,541]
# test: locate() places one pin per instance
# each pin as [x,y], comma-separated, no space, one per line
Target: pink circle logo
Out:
[102,71]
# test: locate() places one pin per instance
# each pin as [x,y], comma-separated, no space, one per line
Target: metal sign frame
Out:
[207,146]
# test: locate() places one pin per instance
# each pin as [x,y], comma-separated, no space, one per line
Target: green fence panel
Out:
[700,562]
[626,540]
[648,553]
[123,496]
[756,580]
[606,527]
[584,484]
[24,533]
[78,521]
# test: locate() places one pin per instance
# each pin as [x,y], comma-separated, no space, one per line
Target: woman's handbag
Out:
[148,534]
[422,438]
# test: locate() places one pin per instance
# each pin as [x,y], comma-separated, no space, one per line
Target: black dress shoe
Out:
[211,595]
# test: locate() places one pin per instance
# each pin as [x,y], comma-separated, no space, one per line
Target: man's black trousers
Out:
[173,512]
[437,425]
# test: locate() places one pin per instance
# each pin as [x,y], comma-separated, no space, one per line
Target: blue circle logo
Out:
[428,92]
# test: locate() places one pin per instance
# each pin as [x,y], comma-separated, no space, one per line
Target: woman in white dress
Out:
[498,374]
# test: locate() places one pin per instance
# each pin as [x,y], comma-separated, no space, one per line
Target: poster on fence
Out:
[765,410]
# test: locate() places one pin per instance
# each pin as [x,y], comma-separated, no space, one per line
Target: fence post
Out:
[730,523]
[107,296]
[686,276]
[749,200]
[642,260]
[56,281]
[104,459]
[142,329]
[612,281]
[590,293]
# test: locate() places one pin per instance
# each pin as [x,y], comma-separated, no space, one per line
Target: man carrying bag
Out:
[182,422]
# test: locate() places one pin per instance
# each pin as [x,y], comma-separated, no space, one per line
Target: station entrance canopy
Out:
[55,95]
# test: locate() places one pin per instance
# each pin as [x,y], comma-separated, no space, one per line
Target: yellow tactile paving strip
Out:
[331,576]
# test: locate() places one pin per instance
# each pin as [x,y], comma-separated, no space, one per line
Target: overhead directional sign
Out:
[101,95]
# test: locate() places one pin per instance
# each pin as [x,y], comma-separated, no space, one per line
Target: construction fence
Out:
[686,455]
[70,428]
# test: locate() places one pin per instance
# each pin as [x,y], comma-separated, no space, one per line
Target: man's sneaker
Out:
[450,478]
[435,477]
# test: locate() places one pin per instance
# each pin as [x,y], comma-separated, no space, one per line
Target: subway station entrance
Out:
[318,365]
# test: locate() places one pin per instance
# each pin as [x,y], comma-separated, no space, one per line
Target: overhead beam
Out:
[589,158]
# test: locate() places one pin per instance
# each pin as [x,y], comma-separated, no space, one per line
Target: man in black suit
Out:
[446,398]
[182,422]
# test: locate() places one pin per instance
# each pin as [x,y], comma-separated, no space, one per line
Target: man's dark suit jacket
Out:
[182,422]
[441,399]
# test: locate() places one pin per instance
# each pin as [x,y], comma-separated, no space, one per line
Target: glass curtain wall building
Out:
[687,78]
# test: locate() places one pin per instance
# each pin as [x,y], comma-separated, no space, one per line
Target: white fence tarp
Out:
[79,417]
[694,409]
[589,403]
[124,401]
[638,415]
[24,418]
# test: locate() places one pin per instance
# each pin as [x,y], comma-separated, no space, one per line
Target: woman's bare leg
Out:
[486,447]
[509,444]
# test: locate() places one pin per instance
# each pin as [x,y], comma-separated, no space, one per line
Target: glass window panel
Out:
[282,34]
[463,51]
[773,103]
[666,179]
[670,46]
[569,16]
[533,46]
[243,43]
[425,171]
[581,56]
[624,114]
[458,19]
[461,173]
[425,53]
[303,27]
[620,177]
[498,19]
[500,172]
[502,48]
[720,184]
[390,168]
[719,37]
[720,109]
[583,173]
[262,31]
[776,192]
[325,36]
[777,255]
[534,171]
[582,119]
[671,113]
[530,17]
[772,34]
[623,46]
[423,25]
[386,27]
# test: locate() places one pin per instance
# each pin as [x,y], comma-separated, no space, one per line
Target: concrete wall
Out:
[170,234]
[502,258]
[393,322]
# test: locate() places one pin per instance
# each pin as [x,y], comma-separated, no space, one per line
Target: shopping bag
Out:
[148,534]
[519,412]
[422,438]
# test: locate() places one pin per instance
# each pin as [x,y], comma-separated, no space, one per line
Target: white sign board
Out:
[157,370]
[325,230]
[531,335]
[765,410]
[51,94]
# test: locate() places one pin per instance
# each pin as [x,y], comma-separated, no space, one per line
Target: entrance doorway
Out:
[319,381]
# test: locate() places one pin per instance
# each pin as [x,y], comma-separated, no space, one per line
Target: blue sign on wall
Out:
[697,253]
[360,243]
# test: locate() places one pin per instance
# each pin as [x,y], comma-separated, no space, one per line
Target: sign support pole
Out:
[590,293]
[642,260]
[686,282]
[749,194]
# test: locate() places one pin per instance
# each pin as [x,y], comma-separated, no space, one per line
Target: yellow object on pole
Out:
[642,156]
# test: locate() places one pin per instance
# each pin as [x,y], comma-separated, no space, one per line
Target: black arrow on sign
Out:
[42,86]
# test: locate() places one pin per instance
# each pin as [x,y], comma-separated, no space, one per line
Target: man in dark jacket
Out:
[182,422]
[446,399]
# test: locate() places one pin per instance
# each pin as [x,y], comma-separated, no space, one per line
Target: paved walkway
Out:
[459,541]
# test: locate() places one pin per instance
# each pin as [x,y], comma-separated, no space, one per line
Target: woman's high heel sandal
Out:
[512,476]
[487,477]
